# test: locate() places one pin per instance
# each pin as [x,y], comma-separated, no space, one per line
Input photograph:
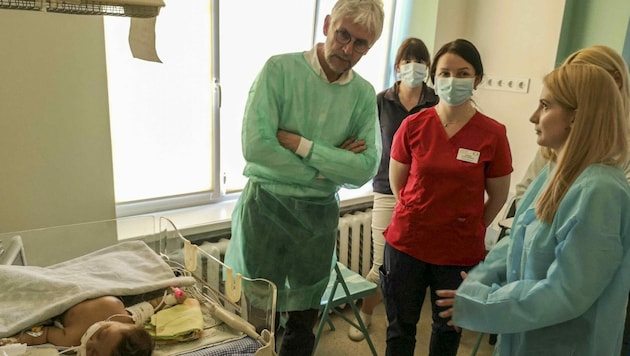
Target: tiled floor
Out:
[337,343]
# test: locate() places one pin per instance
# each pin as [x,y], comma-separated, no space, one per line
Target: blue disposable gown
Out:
[284,225]
[559,288]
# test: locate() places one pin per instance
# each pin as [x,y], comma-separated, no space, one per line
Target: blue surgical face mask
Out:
[454,91]
[413,74]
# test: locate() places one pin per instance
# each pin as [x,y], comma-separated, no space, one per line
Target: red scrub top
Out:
[438,218]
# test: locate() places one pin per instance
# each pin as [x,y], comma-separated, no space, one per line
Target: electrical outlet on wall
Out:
[517,85]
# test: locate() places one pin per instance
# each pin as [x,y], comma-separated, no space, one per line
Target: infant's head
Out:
[113,338]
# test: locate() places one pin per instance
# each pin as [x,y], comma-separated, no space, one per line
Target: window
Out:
[160,112]
[163,116]
[242,55]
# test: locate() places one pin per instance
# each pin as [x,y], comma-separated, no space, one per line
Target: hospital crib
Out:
[246,305]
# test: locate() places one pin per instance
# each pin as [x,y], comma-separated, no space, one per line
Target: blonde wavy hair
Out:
[599,133]
[611,61]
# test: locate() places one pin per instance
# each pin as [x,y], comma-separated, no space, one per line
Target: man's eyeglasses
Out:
[359,46]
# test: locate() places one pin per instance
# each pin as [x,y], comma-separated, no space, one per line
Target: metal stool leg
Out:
[476,347]
[325,317]
[348,300]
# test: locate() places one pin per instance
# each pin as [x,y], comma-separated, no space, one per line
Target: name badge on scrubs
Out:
[467,155]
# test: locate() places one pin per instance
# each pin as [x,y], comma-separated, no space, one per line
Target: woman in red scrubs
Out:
[450,171]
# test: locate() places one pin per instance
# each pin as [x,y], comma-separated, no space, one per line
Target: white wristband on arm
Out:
[304,147]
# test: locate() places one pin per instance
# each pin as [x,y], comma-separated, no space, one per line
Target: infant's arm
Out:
[49,334]
[68,336]
[37,338]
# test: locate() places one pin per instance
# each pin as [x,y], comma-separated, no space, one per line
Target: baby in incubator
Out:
[101,326]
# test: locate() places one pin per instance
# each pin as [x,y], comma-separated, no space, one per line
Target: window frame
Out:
[219,193]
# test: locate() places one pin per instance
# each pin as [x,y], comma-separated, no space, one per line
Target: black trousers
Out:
[404,282]
[298,338]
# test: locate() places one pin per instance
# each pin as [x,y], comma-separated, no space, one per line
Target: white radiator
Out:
[354,242]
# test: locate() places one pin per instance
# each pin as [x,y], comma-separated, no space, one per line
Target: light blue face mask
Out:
[454,91]
[413,74]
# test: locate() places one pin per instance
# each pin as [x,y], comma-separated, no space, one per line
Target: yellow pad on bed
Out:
[182,322]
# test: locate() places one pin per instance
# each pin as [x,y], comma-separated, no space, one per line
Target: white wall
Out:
[55,156]
[515,39]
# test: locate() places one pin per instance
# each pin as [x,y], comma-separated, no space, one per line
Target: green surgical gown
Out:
[284,225]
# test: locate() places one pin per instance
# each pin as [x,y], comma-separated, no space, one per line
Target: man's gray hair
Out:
[368,13]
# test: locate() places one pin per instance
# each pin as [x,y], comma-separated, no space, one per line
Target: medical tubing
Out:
[169,299]
[162,301]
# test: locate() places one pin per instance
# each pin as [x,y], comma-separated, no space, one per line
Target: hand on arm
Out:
[288,140]
[301,146]
[291,141]
[354,145]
